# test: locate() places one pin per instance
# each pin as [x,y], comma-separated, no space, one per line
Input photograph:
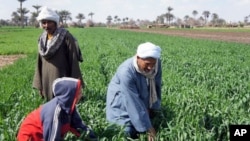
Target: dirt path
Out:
[239,37]
[8,59]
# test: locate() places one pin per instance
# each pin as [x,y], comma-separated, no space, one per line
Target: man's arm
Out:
[136,109]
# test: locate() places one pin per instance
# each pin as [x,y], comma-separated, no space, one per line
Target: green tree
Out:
[160,19]
[169,16]
[194,13]
[37,7]
[21,7]
[109,19]
[80,17]
[34,15]
[126,20]
[15,18]
[206,15]
[215,18]
[23,18]
[186,19]
[246,20]
[115,17]
[33,21]
[91,15]
[64,16]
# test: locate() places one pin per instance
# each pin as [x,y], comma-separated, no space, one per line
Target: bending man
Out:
[135,92]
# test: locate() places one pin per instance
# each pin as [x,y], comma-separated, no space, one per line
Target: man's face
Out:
[146,65]
[49,26]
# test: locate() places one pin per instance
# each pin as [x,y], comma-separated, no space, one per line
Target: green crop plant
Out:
[205,88]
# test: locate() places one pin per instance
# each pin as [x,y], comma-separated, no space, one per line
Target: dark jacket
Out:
[63,63]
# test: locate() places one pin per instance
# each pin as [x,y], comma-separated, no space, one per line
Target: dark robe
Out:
[64,63]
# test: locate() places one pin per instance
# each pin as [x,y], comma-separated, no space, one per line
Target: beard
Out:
[146,73]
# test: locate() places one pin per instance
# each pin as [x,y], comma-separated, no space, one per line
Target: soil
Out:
[239,37]
[8,59]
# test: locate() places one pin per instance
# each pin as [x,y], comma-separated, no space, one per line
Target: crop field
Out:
[206,83]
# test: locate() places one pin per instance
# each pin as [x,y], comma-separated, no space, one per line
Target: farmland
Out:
[206,83]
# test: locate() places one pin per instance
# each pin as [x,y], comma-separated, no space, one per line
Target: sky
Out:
[229,10]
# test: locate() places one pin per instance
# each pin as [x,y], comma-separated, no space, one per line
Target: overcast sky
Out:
[229,10]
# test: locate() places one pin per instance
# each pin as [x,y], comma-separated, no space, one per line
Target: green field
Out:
[206,84]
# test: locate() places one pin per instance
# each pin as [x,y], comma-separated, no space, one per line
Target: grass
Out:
[205,83]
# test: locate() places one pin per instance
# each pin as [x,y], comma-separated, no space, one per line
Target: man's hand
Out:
[151,134]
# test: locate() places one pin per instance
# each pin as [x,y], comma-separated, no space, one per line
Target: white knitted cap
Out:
[146,50]
[48,14]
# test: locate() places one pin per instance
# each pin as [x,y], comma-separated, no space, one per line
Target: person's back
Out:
[54,119]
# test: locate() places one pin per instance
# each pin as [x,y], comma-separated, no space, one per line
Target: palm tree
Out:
[22,12]
[119,19]
[115,17]
[109,19]
[206,15]
[80,17]
[123,20]
[91,15]
[126,18]
[35,14]
[194,13]
[215,18]
[15,17]
[37,7]
[64,15]
[186,18]
[246,20]
[21,7]
[194,21]
[33,20]
[168,15]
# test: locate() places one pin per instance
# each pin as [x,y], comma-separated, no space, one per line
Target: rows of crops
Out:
[206,84]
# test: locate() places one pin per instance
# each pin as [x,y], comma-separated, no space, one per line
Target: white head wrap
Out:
[146,50]
[48,14]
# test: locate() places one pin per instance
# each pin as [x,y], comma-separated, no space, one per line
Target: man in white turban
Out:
[48,14]
[135,91]
[58,54]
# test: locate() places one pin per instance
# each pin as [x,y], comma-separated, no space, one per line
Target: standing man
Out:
[135,92]
[58,54]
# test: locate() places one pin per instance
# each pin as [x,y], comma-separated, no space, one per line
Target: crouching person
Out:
[134,92]
[52,120]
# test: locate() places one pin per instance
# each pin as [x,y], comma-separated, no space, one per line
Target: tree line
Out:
[19,18]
